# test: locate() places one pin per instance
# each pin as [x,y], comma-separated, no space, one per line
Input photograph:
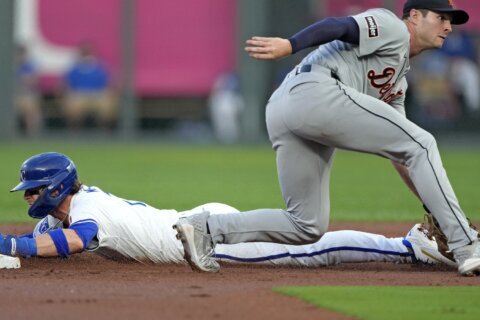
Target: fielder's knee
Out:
[424,143]
[428,140]
[313,233]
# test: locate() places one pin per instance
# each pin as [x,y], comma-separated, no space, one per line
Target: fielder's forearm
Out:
[403,172]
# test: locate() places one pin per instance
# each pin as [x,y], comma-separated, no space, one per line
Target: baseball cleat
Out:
[425,249]
[197,243]
[468,259]
[7,262]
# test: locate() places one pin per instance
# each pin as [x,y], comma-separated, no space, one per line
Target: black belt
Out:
[308,68]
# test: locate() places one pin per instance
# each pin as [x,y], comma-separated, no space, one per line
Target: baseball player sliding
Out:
[348,93]
[75,218]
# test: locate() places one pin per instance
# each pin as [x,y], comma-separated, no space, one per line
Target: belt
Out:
[309,68]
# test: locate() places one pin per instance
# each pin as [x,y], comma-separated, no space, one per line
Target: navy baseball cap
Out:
[458,16]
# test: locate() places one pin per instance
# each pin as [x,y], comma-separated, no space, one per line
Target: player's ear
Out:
[415,15]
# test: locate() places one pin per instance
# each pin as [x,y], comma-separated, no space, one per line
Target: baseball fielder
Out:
[75,218]
[349,93]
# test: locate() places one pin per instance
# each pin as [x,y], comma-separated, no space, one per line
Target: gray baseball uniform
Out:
[350,97]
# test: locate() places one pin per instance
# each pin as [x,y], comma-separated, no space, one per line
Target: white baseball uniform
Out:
[135,230]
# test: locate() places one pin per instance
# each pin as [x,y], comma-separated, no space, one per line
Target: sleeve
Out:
[84,219]
[380,31]
[83,213]
[86,230]
[326,30]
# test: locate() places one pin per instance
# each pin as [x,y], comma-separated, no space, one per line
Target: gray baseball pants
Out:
[309,116]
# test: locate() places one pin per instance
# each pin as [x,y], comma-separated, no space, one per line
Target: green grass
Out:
[380,303]
[364,187]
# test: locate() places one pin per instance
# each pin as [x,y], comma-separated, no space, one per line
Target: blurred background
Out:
[126,69]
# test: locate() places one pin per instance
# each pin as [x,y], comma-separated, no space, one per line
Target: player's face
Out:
[433,29]
[31,195]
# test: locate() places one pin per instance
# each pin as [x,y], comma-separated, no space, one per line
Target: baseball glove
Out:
[434,231]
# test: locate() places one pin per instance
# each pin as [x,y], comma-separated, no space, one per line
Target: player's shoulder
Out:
[382,23]
[88,197]
[379,16]
[88,203]
[87,191]
[379,13]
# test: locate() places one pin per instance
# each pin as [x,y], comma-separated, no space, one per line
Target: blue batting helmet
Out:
[53,171]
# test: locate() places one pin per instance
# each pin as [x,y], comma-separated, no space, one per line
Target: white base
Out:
[7,262]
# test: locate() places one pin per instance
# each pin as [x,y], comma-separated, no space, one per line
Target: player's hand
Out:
[267,48]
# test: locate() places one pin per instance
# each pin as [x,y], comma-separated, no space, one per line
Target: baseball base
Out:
[7,262]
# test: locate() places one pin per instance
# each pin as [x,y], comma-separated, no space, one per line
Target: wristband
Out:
[23,246]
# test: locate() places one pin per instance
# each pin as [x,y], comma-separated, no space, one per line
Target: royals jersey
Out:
[126,228]
[378,64]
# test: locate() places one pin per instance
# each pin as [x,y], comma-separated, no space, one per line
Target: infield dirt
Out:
[89,286]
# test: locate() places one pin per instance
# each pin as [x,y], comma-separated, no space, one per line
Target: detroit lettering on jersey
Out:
[383,82]
[388,66]
[383,44]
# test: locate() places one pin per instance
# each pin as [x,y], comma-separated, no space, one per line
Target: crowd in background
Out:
[444,92]
[84,93]
[444,85]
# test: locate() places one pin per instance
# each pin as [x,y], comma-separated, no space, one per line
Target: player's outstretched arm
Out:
[268,48]
[63,242]
[323,31]
[55,243]
[52,244]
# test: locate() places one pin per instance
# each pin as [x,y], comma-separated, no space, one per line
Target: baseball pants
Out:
[308,117]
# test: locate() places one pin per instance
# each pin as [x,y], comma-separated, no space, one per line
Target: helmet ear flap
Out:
[39,208]
[53,195]
[61,183]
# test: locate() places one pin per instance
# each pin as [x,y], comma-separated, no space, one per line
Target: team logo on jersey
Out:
[43,227]
[372,27]
[384,82]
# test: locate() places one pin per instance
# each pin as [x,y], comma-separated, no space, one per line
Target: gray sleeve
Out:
[380,31]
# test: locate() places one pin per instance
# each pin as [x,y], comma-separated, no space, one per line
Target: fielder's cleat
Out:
[7,262]
[425,248]
[197,243]
[468,259]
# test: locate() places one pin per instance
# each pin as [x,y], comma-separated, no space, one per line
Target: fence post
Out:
[128,107]
[8,123]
